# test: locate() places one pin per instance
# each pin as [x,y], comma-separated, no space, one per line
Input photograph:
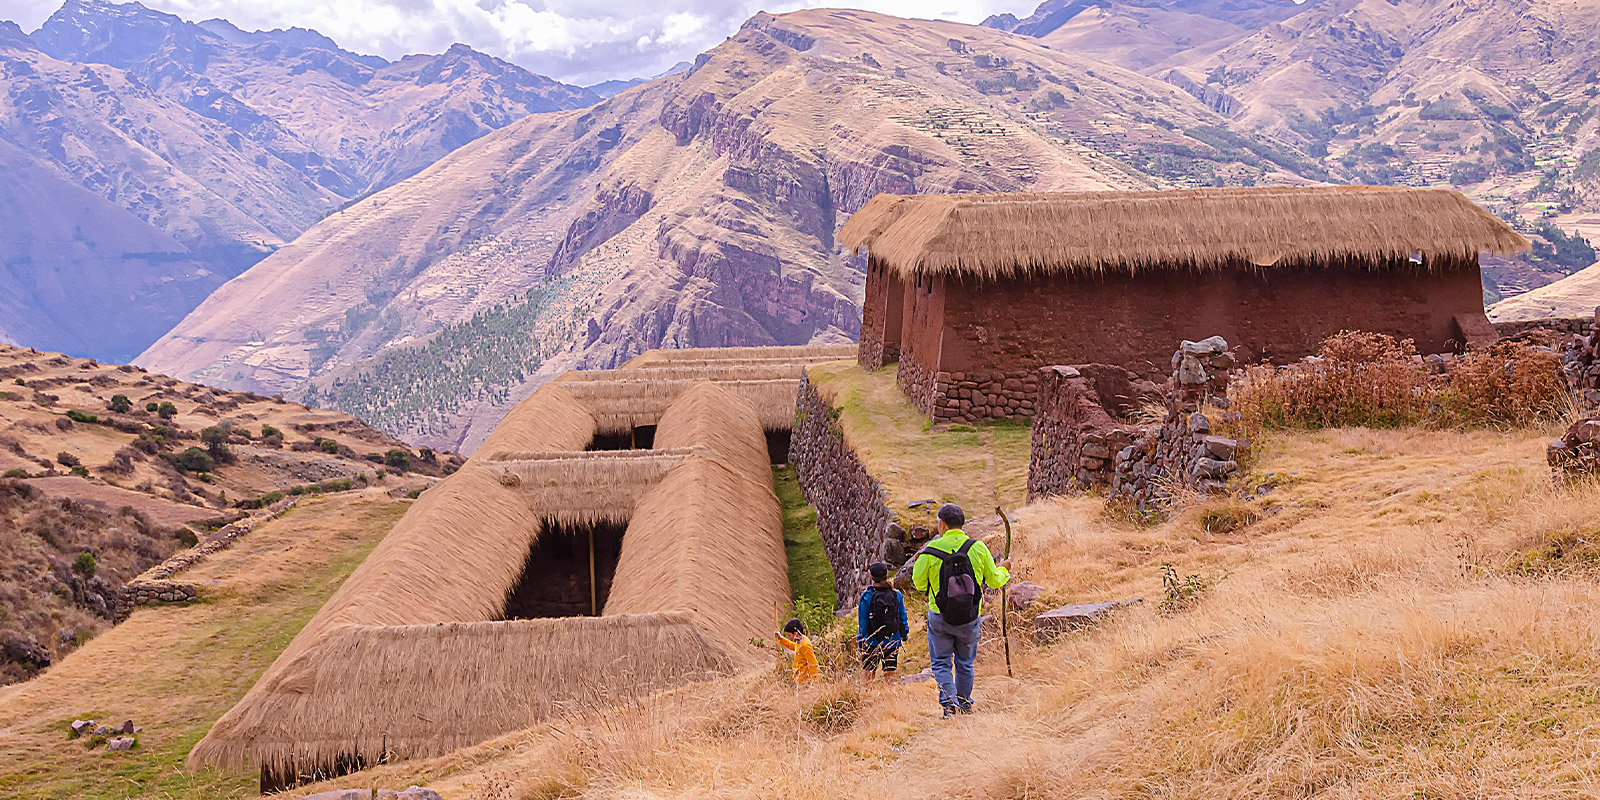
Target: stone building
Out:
[972,294]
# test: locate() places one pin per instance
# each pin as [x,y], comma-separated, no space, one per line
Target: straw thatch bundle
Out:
[995,235]
[700,356]
[415,691]
[710,417]
[589,487]
[548,420]
[623,404]
[706,541]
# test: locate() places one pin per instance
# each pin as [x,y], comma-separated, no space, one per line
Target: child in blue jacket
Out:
[881,625]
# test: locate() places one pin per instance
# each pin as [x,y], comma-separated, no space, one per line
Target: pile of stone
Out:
[1581,362]
[852,514]
[1576,454]
[118,739]
[1082,437]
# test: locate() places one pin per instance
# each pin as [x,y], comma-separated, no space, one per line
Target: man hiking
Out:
[953,569]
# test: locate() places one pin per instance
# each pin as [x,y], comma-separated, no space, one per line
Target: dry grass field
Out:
[1401,614]
[1392,613]
[174,669]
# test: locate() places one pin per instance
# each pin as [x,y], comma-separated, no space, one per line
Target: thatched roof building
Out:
[993,286]
[415,655]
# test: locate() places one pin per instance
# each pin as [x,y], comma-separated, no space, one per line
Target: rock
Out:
[1221,447]
[894,531]
[1198,424]
[1060,620]
[1191,371]
[1212,468]
[1209,346]
[892,551]
[1023,594]
[920,677]
[120,744]
[920,503]
[1096,450]
[126,726]
[81,726]
[902,577]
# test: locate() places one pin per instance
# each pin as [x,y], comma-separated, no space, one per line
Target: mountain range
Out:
[156,158]
[423,272]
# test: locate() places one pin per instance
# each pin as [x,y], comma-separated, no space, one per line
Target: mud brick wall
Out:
[852,515]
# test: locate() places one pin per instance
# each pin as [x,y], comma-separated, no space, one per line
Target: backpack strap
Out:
[930,550]
[965,546]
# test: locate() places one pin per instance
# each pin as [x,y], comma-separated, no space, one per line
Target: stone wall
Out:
[1581,363]
[852,515]
[154,586]
[1083,437]
[1574,325]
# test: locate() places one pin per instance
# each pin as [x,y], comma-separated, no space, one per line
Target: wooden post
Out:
[594,590]
[1005,635]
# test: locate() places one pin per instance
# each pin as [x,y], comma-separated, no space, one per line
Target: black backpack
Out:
[883,615]
[957,592]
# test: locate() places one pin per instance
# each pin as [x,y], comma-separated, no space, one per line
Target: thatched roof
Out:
[996,235]
[633,397]
[407,658]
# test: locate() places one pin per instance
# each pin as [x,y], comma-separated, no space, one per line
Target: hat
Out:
[879,570]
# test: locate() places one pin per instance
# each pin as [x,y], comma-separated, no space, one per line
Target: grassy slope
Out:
[175,670]
[1411,614]
[810,575]
[974,466]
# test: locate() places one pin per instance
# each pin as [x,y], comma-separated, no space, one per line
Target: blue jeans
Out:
[947,644]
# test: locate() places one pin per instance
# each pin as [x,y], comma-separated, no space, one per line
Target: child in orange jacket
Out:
[805,659]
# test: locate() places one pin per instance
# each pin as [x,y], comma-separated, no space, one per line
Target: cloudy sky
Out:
[581,41]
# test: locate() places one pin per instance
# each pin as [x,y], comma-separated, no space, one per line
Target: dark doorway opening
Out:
[778,446]
[642,437]
[289,776]
[568,572]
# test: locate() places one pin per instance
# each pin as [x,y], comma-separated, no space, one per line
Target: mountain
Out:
[1573,297]
[1144,35]
[699,209]
[150,159]
[614,87]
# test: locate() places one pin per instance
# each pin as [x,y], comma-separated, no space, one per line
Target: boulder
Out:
[126,726]
[1023,594]
[82,726]
[1056,621]
[120,744]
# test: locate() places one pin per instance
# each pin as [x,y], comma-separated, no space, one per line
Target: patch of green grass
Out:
[810,573]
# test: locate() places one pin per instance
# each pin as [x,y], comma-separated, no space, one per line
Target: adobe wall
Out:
[1014,328]
[852,516]
[882,315]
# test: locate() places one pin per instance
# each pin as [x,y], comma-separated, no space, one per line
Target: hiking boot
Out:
[949,712]
[964,708]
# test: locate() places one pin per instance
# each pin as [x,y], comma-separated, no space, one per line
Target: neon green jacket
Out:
[925,573]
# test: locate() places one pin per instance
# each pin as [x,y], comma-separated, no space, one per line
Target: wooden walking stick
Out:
[1005,635]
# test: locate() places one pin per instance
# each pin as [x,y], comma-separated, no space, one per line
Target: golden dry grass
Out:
[175,669]
[995,235]
[1395,623]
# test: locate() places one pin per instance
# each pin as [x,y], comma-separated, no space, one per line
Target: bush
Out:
[166,411]
[269,431]
[397,458]
[80,471]
[427,455]
[85,564]
[121,404]
[328,446]
[186,537]
[152,407]
[216,442]
[66,459]
[1373,380]
[1180,592]
[193,460]
[15,473]
[79,416]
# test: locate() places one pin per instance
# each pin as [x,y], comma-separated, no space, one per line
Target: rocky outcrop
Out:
[852,515]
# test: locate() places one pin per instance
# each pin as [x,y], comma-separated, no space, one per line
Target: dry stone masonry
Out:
[1085,437]
[970,396]
[852,515]
[1581,362]
[1577,453]
[155,584]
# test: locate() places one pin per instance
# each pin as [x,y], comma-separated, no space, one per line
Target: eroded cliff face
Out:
[700,209]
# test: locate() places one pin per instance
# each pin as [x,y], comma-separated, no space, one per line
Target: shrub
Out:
[1373,380]
[80,471]
[79,416]
[186,537]
[152,407]
[427,455]
[216,442]
[269,431]
[66,459]
[85,564]
[397,458]
[835,710]
[1180,592]
[15,473]
[328,446]
[21,382]
[166,411]
[193,460]
[121,404]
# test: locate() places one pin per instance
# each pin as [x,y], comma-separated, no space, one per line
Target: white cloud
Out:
[580,41]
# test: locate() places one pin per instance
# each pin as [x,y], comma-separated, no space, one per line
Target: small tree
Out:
[328,446]
[121,404]
[398,459]
[85,564]
[427,455]
[66,459]
[267,432]
[194,460]
[216,441]
[152,407]
[166,410]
